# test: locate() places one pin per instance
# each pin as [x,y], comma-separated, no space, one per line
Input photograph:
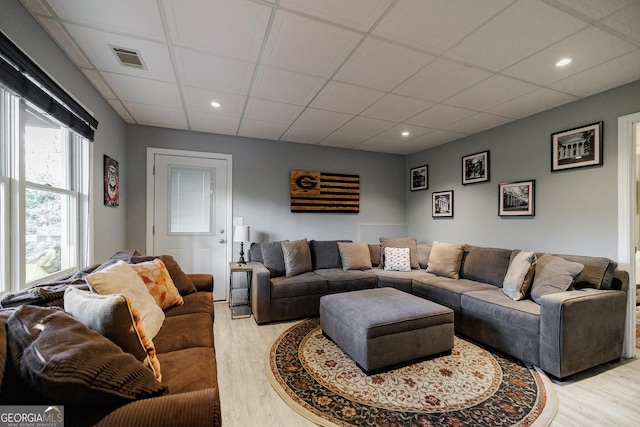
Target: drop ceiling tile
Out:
[270,111]
[626,21]
[345,98]
[234,29]
[98,82]
[436,25]
[67,44]
[438,137]
[214,72]
[596,9]
[276,84]
[588,48]
[214,123]
[97,46]
[139,18]
[156,115]
[366,126]
[144,91]
[322,119]
[395,133]
[532,103]
[197,99]
[359,14]
[477,123]
[441,79]
[521,30]
[379,144]
[440,116]
[308,46]
[617,72]
[121,110]
[381,65]
[343,140]
[396,108]
[305,135]
[491,92]
[261,130]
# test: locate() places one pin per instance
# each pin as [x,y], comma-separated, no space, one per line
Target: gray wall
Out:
[261,189]
[575,210]
[109,223]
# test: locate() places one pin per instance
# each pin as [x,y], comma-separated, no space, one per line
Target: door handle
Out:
[223,241]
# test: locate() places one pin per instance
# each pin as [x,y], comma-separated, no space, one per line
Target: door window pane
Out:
[190,199]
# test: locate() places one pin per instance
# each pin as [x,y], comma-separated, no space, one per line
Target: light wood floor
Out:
[604,396]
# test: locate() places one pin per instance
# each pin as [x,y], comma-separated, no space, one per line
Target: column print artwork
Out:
[575,148]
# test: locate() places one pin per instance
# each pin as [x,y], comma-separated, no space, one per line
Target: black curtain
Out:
[24,77]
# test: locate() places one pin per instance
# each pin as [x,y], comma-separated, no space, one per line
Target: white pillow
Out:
[397,259]
[121,278]
[519,275]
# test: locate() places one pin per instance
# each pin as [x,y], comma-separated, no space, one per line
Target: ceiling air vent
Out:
[128,57]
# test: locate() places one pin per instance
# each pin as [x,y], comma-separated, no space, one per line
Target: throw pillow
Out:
[553,274]
[355,256]
[155,275]
[297,257]
[519,275]
[120,278]
[401,242]
[67,363]
[445,259]
[113,317]
[180,279]
[397,259]
[273,258]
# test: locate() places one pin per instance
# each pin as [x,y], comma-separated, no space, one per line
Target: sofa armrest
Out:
[581,329]
[260,293]
[195,409]
[202,282]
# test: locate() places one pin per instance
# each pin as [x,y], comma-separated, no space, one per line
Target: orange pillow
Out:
[155,275]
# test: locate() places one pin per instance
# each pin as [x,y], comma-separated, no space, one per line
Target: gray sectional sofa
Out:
[563,332]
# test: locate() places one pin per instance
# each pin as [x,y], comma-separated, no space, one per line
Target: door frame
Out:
[151,152]
[626,222]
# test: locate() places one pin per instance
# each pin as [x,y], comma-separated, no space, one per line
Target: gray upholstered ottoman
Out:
[383,327]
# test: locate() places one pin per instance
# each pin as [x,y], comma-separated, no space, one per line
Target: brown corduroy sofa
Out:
[184,347]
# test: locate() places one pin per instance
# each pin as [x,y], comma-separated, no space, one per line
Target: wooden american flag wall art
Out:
[324,192]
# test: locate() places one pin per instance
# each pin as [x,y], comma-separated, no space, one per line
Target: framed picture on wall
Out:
[517,198]
[111,182]
[576,148]
[442,204]
[475,168]
[419,178]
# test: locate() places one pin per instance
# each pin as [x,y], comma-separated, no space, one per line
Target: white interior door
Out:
[191,219]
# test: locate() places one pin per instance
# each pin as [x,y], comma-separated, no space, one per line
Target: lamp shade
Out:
[241,233]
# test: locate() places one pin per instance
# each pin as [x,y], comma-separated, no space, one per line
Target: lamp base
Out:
[241,260]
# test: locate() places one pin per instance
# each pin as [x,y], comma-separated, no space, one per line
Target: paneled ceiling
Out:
[395,76]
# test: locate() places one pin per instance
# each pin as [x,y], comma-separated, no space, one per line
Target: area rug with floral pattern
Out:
[471,386]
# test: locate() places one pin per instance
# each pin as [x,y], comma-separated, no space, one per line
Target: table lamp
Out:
[241,234]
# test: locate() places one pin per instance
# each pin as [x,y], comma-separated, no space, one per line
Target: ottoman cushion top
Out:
[383,311]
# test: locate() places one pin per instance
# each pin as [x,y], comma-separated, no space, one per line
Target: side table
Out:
[240,309]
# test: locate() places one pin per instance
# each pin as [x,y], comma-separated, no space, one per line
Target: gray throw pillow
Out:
[553,274]
[273,258]
[325,254]
[297,257]
[355,256]
[519,275]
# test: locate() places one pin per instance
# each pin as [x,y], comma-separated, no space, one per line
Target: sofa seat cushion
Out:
[494,304]
[487,265]
[180,332]
[189,369]
[199,302]
[397,279]
[339,280]
[303,284]
[444,290]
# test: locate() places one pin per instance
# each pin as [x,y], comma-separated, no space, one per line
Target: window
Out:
[44,176]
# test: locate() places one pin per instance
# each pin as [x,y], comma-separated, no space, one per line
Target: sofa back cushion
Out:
[255,253]
[423,251]
[325,254]
[273,258]
[487,265]
[375,251]
[597,272]
[400,242]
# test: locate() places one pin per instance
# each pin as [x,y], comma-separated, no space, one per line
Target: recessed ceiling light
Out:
[405,133]
[216,104]
[564,62]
